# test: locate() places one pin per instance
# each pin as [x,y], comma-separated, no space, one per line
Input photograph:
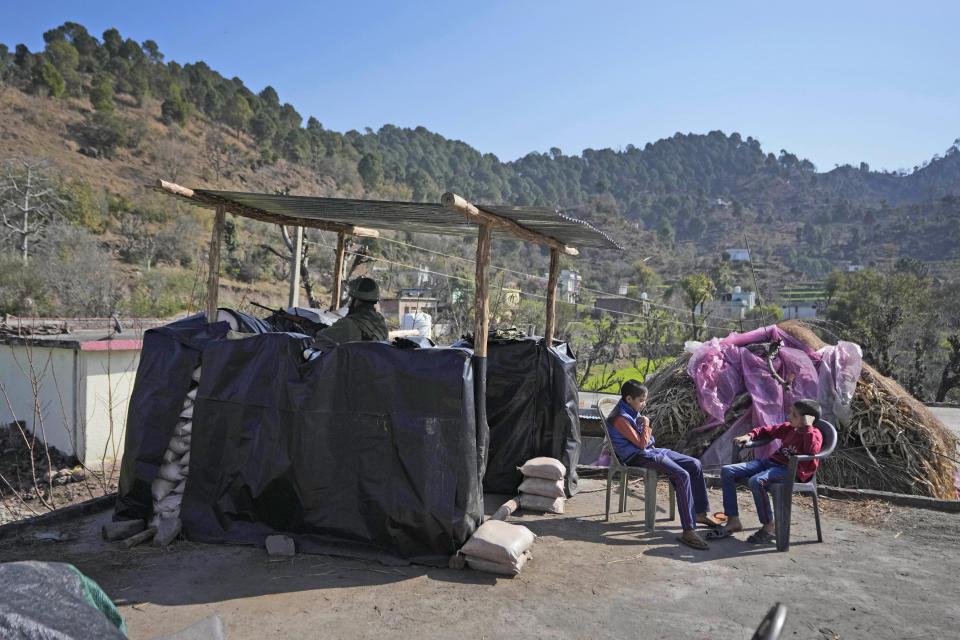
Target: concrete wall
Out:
[79,401]
[50,409]
[106,384]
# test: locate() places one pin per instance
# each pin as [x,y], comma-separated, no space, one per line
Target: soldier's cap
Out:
[364,289]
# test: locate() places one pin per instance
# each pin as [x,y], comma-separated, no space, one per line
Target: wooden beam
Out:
[294,297]
[213,265]
[453,202]
[481,302]
[552,295]
[338,271]
[260,214]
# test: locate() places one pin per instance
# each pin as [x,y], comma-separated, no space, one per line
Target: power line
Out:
[538,277]
[532,295]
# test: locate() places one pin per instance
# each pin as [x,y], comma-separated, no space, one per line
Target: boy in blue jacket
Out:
[634,445]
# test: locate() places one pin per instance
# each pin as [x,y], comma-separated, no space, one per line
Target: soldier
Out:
[362,321]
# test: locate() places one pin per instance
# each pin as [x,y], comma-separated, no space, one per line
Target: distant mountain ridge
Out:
[117,99]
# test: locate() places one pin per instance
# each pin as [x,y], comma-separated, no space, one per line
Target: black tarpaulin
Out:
[532,403]
[369,446]
[167,360]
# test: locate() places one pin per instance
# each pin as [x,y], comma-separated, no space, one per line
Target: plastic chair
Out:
[618,469]
[782,492]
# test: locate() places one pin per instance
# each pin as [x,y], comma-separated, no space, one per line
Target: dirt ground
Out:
[882,572]
[35,479]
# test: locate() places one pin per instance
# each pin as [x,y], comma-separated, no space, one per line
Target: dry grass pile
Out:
[893,442]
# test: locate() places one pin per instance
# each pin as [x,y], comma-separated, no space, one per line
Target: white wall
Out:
[55,395]
[106,384]
[82,397]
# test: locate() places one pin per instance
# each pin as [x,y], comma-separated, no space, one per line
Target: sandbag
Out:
[180,445]
[169,505]
[532,502]
[543,487]
[499,541]
[504,569]
[161,488]
[171,471]
[543,467]
[171,456]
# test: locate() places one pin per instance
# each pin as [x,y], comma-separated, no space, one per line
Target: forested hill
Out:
[112,114]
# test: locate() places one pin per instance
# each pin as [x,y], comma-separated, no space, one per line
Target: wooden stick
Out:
[294,297]
[143,536]
[260,214]
[455,203]
[552,296]
[506,509]
[213,277]
[338,271]
[481,302]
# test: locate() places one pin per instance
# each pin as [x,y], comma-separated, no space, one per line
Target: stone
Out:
[79,475]
[280,547]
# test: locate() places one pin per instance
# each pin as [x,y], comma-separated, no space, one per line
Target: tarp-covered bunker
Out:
[378,449]
[887,440]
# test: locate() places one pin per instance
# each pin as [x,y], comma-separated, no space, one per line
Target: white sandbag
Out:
[185,463]
[187,412]
[179,445]
[510,569]
[192,394]
[169,506]
[160,488]
[187,403]
[499,541]
[180,488]
[532,502]
[184,427]
[196,375]
[172,471]
[171,456]
[543,487]
[549,468]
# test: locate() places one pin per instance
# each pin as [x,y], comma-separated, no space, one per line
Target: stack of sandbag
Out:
[168,486]
[499,547]
[542,486]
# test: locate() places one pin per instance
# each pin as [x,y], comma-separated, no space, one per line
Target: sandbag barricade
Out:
[369,448]
[532,410]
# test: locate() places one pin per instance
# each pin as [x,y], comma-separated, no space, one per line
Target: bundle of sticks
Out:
[892,442]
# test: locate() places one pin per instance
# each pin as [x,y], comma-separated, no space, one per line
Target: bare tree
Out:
[174,158]
[29,200]
[219,154]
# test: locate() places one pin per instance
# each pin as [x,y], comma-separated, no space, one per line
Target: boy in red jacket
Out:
[798,437]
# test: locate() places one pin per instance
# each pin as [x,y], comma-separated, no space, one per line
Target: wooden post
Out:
[294,297]
[213,277]
[481,304]
[338,271]
[552,295]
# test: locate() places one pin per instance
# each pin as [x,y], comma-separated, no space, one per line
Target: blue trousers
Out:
[759,474]
[686,476]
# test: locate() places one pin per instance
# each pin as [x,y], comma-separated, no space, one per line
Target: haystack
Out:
[892,443]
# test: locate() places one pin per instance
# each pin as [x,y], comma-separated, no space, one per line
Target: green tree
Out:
[237,113]
[370,169]
[51,80]
[101,93]
[644,276]
[697,289]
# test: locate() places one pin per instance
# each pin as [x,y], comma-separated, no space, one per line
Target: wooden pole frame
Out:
[481,302]
[338,271]
[552,296]
[294,297]
[453,202]
[213,264]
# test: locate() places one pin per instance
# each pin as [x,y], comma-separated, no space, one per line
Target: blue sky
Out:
[836,82]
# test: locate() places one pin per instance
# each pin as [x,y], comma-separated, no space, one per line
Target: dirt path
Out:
[894,575]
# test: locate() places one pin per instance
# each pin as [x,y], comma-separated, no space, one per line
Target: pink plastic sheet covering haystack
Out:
[724,368]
